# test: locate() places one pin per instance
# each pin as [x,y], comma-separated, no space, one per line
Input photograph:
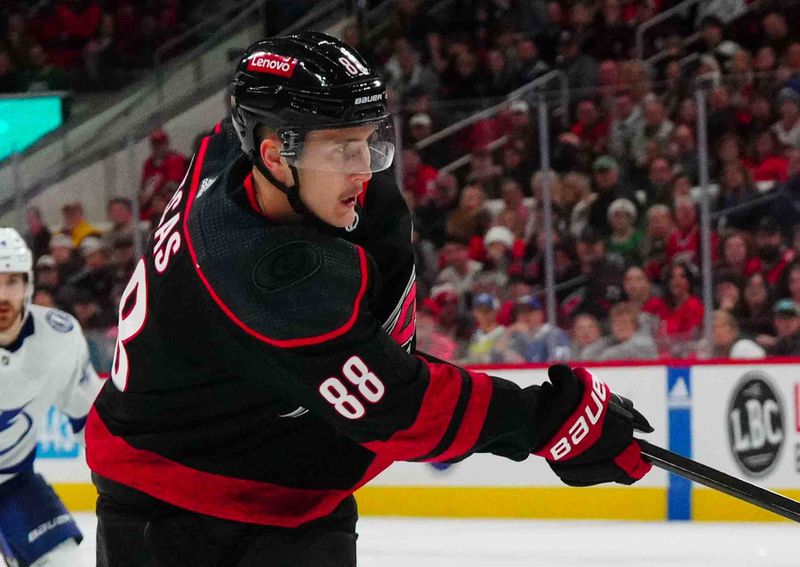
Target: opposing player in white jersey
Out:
[44,362]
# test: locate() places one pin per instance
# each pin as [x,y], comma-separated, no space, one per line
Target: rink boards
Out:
[743,419]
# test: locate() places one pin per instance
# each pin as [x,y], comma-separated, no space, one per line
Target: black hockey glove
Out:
[594,444]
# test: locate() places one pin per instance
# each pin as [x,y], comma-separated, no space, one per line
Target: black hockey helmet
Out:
[309,81]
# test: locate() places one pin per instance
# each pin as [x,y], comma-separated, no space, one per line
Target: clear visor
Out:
[351,150]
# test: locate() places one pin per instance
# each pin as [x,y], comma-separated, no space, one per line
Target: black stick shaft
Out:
[718,480]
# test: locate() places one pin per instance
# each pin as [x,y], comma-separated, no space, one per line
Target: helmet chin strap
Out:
[293,196]
[292,193]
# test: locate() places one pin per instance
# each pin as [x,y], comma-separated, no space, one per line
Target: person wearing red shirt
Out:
[161,173]
[418,177]
[769,163]
[684,242]
[681,312]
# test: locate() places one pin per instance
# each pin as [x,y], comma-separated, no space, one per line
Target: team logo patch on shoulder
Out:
[59,321]
[285,266]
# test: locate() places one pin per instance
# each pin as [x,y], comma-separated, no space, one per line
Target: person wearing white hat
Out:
[44,362]
[625,239]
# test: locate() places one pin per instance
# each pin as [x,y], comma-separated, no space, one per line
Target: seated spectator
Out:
[484,309]
[590,133]
[45,297]
[514,203]
[162,172]
[785,208]
[714,42]
[790,288]
[625,239]
[40,75]
[658,189]
[737,189]
[580,67]
[420,126]
[432,213]
[470,219]
[769,163]
[430,339]
[729,341]
[587,340]
[574,197]
[772,255]
[484,172]
[753,312]
[528,338]
[63,252]
[608,189]
[75,224]
[516,289]
[684,242]
[656,130]
[601,286]
[418,177]
[683,151]
[499,244]
[657,232]
[515,166]
[787,325]
[406,72]
[123,260]
[628,121]
[529,65]
[96,275]
[737,257]
[459,270]
[727,290]
[681,312]
[38,235]
[46,272]
[499,74]
[450,320]
[787,128]
[123,225]
[629,339]
[639,294]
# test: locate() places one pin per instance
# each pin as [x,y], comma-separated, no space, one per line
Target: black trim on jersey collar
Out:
[25,332]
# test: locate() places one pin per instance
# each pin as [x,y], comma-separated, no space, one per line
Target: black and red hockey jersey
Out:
[262,371]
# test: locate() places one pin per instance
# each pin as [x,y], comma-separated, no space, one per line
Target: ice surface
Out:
[395,542]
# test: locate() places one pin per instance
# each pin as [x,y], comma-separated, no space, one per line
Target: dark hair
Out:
[689,270]
[124,201]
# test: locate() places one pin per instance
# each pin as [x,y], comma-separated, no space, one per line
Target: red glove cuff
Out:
[630,460]
[584,426]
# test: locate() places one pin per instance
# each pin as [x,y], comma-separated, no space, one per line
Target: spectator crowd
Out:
[624,185]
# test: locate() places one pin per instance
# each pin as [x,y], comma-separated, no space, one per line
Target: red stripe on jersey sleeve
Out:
[433,417]
[474,418]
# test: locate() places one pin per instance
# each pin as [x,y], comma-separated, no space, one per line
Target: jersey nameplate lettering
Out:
[167,239]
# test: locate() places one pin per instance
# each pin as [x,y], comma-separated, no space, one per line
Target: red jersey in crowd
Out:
[772,274]
[687,245]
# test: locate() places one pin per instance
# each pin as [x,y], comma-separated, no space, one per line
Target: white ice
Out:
[395,542]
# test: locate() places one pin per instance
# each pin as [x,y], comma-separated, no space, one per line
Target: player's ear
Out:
[270,152]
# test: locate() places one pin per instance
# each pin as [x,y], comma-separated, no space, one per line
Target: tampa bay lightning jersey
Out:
[48,365]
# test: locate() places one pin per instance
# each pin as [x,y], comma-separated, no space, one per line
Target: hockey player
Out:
[44,362]
[265,367]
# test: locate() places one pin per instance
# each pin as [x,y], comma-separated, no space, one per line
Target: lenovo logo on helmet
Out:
[366,99]
[273,64]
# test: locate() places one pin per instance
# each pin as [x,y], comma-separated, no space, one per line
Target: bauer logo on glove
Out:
[594,443]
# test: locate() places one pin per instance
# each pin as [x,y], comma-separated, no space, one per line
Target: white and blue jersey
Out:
[48,365]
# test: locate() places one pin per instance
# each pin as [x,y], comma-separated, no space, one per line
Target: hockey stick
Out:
[718,480]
